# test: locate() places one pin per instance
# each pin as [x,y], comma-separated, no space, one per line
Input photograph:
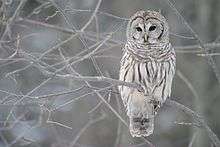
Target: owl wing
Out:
[162,88]
[140,112]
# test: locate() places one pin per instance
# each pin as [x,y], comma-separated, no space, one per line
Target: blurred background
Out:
[44,43]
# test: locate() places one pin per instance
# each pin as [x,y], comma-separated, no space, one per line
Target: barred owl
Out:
[149,60]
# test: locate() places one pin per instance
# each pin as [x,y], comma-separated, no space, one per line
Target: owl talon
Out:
[141,88]
[156,105]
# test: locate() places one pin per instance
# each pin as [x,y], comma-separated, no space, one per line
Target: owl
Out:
[148,60]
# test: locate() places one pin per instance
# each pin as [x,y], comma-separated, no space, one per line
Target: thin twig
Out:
[82,96]
[189,84]
[88,124]
[38,9]
[92,17]
[194,124]
[55,122]
[98,12]
[190,47]
[193,139]
[119,129]
[12,19]
[181,36]
[211,54]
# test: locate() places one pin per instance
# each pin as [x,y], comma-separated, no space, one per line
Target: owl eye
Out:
[139,29]
[152,28]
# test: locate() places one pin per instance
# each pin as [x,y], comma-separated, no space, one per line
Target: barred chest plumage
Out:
[153,52]
[154,70]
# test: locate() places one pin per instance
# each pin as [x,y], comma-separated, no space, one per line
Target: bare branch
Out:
[38,9]
[179,49]
[12,19]
[189,84]
[209,58]
[88,124]
[190,47]
[197,118]
[49,121]
[193,139]
[92,17]
[181,36]
[211,54]
[98,12]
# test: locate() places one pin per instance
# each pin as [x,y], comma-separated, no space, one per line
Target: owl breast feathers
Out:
[149,60]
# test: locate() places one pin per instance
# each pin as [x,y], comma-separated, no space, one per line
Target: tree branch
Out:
[180,49]
[197,118]
[200,42]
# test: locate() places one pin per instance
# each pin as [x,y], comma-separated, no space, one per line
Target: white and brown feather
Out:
[153,67]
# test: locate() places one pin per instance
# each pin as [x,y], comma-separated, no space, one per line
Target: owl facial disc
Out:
[147,27]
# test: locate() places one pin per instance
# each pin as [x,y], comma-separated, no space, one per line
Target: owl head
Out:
[147,27]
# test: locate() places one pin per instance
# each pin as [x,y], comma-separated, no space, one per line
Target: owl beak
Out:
[146,37]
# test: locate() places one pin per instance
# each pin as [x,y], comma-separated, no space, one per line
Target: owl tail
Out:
[141,127]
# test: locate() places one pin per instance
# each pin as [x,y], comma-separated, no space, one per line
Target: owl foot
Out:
[143,89]
[156,105]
